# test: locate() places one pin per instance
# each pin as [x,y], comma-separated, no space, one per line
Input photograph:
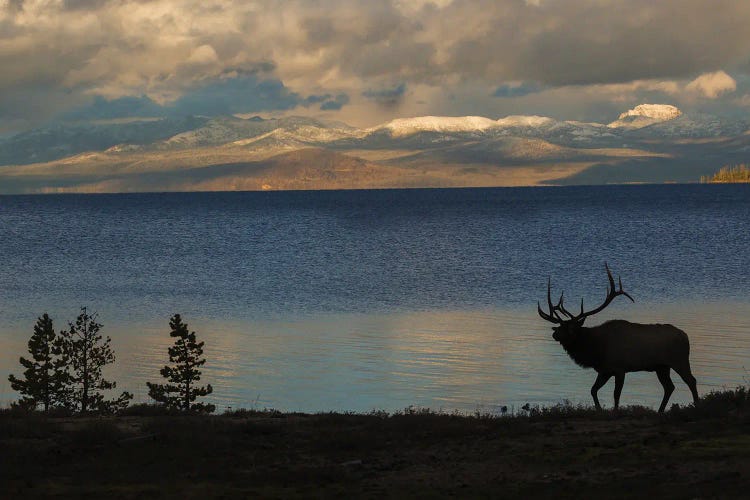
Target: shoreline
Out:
[379,189]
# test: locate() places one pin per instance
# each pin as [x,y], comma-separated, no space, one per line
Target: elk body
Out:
[617,347]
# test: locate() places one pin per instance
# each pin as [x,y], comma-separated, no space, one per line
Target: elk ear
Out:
[580,322]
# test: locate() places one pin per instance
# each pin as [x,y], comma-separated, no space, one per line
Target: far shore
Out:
[542,185]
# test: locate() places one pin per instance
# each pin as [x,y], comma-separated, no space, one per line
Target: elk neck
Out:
[583,348]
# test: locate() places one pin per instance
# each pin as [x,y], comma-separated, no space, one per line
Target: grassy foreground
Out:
[701,452]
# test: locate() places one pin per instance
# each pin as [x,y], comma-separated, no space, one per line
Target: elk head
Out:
[568,323]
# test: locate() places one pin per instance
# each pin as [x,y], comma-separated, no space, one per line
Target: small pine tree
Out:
[45,376]
[185,357]
[88,352]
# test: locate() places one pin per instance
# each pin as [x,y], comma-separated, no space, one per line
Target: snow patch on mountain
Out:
[313,133]
[276,140]
[524,121]
[402,127]
[408,126]
[644,115]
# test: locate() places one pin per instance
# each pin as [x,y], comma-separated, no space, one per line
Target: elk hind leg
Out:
[619,382]
[686,374]
[666,382]
[601,379]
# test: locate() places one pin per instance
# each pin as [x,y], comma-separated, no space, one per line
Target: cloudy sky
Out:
[368,61]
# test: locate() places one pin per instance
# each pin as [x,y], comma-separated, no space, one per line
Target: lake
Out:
[361,300]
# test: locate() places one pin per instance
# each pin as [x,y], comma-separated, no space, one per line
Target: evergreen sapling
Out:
[185,355]
[88,352]
[45,377]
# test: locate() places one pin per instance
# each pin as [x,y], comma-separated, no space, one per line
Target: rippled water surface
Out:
[358,300]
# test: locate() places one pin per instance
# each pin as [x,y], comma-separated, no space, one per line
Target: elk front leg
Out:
[619,381]
[601,379]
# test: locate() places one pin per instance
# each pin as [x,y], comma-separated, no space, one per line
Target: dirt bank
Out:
[689,453]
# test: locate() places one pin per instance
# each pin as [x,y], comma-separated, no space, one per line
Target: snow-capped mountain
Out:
[644,115]
[658,140]
[230,129]
[432,131]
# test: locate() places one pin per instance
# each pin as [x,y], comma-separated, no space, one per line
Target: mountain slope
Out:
[423,151]
[230,129]
[692,125]
[59,141]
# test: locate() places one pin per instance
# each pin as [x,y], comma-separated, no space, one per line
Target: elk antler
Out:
[612,292]
[554,310]
[552,316]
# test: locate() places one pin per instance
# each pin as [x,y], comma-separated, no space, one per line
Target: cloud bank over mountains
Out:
[367,62]
[235,94]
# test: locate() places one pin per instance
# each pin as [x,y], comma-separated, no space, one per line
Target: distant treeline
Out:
[735,173]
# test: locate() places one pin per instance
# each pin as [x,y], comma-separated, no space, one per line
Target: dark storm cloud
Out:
[241,94]
[182,51]
[595,42]
[23,108]
[122,107]
[571,42]
[386,96]
[336,103]
[520,90]
[84,4]
[367,39]
[554,43]
[247,94]
[328,102]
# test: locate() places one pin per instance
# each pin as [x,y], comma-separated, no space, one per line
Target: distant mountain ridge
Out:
[645,120]
[61,140]
[650,142]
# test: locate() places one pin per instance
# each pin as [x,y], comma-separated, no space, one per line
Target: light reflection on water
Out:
[464,360]
[380,299]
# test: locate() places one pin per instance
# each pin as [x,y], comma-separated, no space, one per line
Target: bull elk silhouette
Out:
[617,347]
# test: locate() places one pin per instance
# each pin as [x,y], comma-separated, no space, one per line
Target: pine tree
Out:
[45,376]
[185,357]
[88,352]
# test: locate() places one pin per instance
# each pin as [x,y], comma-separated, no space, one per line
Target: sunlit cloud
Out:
[712,85]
